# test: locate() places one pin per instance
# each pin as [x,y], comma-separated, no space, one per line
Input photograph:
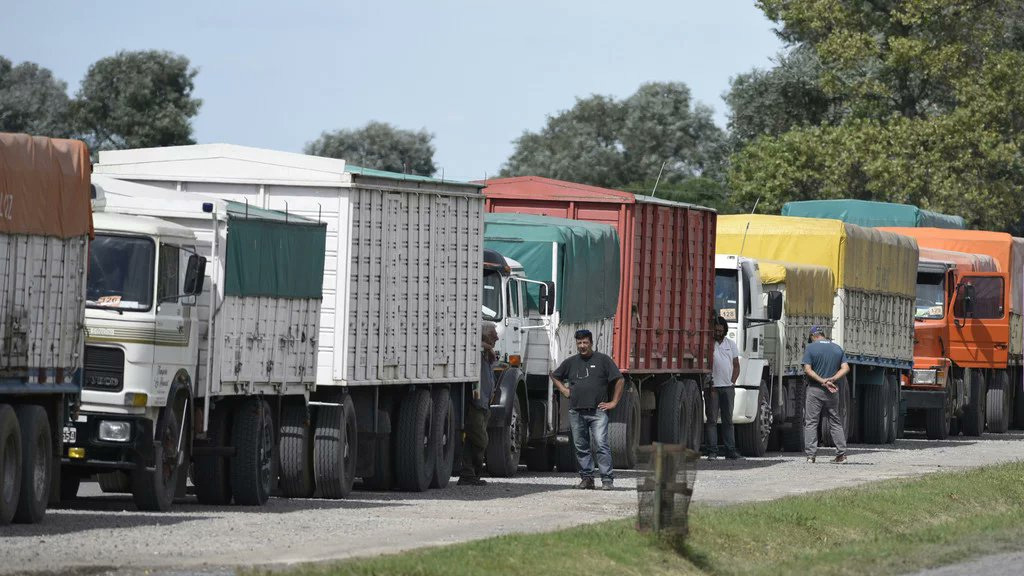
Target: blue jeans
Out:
[584,423]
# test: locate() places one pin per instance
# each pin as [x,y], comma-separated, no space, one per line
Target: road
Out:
[101,533]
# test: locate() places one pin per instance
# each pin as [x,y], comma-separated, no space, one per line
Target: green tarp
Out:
[588,256]
[273,254]
[873,214]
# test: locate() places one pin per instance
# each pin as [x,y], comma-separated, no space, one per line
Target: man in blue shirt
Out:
[825,366]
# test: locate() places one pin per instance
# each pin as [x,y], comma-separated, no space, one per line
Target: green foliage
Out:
[614,143]
[136,100]
[380,146]
[32,100]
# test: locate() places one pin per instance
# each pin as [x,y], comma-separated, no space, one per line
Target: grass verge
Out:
[889,527]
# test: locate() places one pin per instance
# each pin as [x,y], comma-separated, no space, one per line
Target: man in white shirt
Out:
[719,399]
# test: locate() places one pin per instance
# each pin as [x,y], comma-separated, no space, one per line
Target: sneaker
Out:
[712,456]
[840,459]
[472,481]
[810,459]
[586,484]
[733,456]
[607,486]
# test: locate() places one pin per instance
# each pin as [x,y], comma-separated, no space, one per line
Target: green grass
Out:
[884,528]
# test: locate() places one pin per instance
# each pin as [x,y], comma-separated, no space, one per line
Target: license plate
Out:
[70,434]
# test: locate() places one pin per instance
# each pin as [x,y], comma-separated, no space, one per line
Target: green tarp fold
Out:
[588,256]
[873,214]
[274,255]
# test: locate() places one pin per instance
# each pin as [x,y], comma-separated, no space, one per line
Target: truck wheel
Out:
[504,445]
[938,422]
[443,437]
[154,490]
[1018,404]
[415,457]
[212,473]
[793,437]
[36,464]
[116,482]
[998,403]
[752,439]
[296,450]
[10,463]
[877,404]
[893,425]
[252,434]
[624,429]
[680,413]
[334,449]
[565,456]
[383,478]
[973,421]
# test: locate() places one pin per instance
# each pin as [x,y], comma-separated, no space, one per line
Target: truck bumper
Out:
[917,399]
[138,451]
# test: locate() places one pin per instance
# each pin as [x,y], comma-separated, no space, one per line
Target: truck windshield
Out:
[120,273]
[492,296]
[727,293]
[931,296]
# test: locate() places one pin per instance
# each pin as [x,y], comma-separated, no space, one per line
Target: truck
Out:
[662,336]
[873,214]
[873,277]
[986,338]
[201,324]
[544,279]
[399,335]
[44,236]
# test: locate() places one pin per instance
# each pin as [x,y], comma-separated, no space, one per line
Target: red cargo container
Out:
[663,323]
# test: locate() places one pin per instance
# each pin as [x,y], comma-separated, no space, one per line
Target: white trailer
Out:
[200,328]
[400,323]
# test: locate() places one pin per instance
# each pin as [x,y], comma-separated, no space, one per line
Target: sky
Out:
[474,73]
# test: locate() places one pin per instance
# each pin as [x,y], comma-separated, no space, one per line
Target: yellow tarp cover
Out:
[863,259]
[809,289]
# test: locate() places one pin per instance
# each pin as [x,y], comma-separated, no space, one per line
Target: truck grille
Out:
[104,369]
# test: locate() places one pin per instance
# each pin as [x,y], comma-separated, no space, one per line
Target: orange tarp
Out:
[44,186]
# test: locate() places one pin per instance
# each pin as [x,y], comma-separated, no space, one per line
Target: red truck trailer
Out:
[662,338]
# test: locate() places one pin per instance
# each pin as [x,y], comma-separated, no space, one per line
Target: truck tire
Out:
[443,437]
[383,477]
[793,436]
[565,456]
[36,464]
[893,425]
[153,490]
[997,404]
[252,435]
[877,404]
[938,422]
[10,463]
[212,473]
[116,482]
[504,445]
[415,457]
[296,451]
[624,429]
[752,439]
[1018,404]
[334,449]
[973,421]
[680,413]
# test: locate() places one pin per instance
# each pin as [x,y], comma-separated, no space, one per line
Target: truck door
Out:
[980,331]
[173,321]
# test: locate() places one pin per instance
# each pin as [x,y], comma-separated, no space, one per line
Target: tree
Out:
[606,142]
[32,100]
[380,146]
[137,100]
[932,109]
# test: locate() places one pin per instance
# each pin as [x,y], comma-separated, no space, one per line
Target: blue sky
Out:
[476,74]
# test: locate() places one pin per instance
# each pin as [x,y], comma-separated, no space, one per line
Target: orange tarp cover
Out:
[44,186]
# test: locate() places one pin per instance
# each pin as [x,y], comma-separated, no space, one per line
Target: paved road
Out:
[103,532]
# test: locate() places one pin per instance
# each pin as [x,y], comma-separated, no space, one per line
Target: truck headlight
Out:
[924,377]
[115,431]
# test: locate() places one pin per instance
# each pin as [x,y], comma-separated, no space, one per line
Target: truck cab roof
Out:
[144,225]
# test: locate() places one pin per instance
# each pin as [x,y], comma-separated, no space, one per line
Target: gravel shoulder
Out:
[101,533]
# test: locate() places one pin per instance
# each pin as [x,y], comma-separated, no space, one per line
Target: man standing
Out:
[721,398]
[474,444]
[825,366]
[589,373]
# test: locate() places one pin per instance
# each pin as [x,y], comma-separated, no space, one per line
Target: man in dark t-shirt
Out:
[826,368]
[588,375]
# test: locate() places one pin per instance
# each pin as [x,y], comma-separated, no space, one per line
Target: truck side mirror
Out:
[774,305]
[195,275]
[547,299]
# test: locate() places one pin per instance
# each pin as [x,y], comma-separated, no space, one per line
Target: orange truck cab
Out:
[968,336]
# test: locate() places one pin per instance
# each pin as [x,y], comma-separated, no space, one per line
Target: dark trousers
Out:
[719,401]
[474,446]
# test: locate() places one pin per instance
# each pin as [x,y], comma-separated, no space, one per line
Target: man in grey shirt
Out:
[825,366]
